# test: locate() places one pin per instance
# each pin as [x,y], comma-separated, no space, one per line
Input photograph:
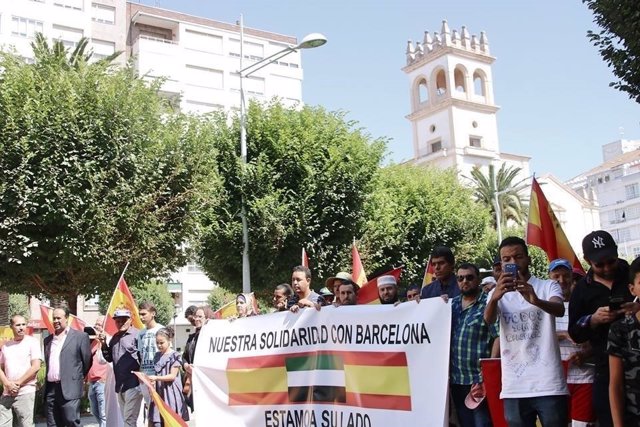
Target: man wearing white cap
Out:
[122,350]
[387,289]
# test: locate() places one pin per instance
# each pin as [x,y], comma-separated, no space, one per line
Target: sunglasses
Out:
[467,277]
[608,263]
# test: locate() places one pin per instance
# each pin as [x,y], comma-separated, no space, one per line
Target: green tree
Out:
[413,209]
[96,172]
[504,183]
[308,175]
[19,304]
[619,41]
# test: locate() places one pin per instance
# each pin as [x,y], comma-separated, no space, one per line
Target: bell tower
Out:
[453,114]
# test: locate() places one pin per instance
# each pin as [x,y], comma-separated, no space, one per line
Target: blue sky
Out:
[550,82]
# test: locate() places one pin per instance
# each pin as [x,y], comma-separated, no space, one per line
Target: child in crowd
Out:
[624,361]
[168,382]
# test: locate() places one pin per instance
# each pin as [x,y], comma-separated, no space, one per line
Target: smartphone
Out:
[511,269]
[615,302]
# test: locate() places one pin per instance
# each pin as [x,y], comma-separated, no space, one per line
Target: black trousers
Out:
[60,412]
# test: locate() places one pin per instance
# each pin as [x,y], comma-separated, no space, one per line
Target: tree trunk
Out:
[4,308]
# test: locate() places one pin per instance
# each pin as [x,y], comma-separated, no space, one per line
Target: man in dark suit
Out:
[67,354]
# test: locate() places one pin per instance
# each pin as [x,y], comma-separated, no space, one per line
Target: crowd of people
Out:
[568,344]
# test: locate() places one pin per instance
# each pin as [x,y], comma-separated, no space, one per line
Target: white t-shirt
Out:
[529,351]
[576,374]
[147,348]
[16,357]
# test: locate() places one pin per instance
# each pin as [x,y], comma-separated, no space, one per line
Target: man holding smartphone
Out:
[598,299]
[533,380]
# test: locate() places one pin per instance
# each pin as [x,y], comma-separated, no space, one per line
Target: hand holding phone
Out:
[615,302]
[512,270]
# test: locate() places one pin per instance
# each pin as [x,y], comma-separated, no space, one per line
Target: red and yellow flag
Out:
[429,274]
[169,417]
[73,322]
[368,293]
[305,259]
[122,298]
[357,270]
[544,229]
[229,309]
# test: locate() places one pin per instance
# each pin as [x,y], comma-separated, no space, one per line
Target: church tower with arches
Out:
[453,112]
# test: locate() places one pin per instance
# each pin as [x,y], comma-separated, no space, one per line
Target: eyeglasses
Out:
[608,263]
[467,277]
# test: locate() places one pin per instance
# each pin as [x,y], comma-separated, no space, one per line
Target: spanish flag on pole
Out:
[122,298]
[368,293]
[169,417]
[544,230]
[357,270]
[429,273]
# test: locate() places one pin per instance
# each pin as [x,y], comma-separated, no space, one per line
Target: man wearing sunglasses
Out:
[598,299]
[471,340]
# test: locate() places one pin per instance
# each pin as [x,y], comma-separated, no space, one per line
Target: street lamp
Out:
[308,42]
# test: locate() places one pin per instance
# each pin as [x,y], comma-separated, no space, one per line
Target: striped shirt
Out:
[471,339]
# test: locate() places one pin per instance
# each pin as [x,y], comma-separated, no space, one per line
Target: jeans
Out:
[478,417]
[96,400]
[522,412]
[601,399]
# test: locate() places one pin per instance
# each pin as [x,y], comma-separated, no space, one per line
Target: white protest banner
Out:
[358,366]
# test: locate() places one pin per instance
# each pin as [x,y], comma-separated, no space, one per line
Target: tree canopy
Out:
[307,177]
[618,41]
[504,183]
[412,210]
[97,171]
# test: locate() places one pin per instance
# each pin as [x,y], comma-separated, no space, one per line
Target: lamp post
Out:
[308,42]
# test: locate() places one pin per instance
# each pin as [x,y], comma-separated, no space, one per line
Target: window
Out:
[436,146]
[252,85]
[441,83]
[205,42]
[25,27]
[423,91]
[636,251]
[67,35]
[253,51]
[193,267]
[632,191]
[478,84]
[102,48]
[204,77]
[458,77]
[70,4]
[103,14]
[475,141]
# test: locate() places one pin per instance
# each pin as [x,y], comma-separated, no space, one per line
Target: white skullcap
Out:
[386,280]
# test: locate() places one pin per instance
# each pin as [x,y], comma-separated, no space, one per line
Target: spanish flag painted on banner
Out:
[378,380]
[73,322]
[368,293]
[169,416]
[544,230]
[357,270]
[122,298]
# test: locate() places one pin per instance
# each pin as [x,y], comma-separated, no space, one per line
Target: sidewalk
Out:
[86,420]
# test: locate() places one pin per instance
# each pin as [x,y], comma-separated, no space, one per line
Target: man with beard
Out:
[387,290]
[598,299]
[471,340]
[347,293]
[533,380]
[67,355]
[443,263]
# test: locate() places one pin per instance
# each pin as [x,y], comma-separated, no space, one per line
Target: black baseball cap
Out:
[598,246]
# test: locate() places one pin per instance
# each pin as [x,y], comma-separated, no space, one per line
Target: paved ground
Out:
[87,421]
